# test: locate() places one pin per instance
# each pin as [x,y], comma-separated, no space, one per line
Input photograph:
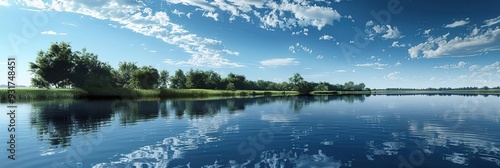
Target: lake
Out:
[320,131]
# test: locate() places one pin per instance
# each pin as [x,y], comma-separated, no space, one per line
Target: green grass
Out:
[26,94]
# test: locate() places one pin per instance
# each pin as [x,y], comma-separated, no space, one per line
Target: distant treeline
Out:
[447,88]
[60,67]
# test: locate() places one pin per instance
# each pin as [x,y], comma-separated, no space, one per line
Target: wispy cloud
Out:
[326,37]
[4,3]
[460,64]
[279,62]
[376,65]
[457,23]
[397,45]
[491,22]
[70,24]
[137,17]
[50,32]
[477,42]
[392,76]
[385,31]
[268,13]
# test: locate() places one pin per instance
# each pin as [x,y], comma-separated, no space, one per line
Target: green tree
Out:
[237,80]
[213,80]
[89,72]
[145,78]
[196,79]
[164,78]
[305,87]
[322,86]
[230,86]
[124,74]
[178,81]
[295,80]
[53,67]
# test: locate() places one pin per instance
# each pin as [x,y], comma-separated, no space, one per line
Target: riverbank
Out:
[40,94]
[27,94]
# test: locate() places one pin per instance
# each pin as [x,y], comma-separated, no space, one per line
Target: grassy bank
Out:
[40,94]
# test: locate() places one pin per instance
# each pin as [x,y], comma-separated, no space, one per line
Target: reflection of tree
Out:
[179,107]
[135,111]
[197,108]
[57,121]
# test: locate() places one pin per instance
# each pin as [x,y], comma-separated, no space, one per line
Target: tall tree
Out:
[145,78]
[89,72]
[53,66]
[164,78]
[196,79]
[124,73]
[178,81]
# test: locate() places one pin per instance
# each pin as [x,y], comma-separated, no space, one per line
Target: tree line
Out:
[60,67]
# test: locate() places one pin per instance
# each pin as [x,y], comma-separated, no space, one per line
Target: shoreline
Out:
[33,94]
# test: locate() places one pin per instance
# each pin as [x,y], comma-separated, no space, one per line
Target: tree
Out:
[145,78]
[230,86]
[295,80]
[237,80]
[196,79]
[89,72]
[213,80]
[164,78]
[305,87]
[178,81]
[124,74]
[53,66]
[322,86]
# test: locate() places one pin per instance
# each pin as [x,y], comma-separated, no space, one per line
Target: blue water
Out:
[321,131]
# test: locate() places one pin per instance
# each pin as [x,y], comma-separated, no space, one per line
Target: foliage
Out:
[178,81]
[230,86]
[164,78]
[53,67]
[124,74]
[145,78]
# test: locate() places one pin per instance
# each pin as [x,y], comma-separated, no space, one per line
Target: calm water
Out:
[327,131]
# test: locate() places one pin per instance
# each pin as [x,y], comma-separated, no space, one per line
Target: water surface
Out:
[321,131]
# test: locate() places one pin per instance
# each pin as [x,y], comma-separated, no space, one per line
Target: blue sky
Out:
[406,43]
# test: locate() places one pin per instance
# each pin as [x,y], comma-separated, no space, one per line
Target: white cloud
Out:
[386,31]
[292,48]
[326,37]
[376,65]
[152,51]
[50,32]
[392,76]
[476,43]
[392,33]
[457,23]
[397,64]
[495,67]
[279,62]
[212,15]
[319,57]
[177,12]
[396,44]
[70,24]
[299,12]
[460,64]
[341,70]
[135,16]
[4,3]
[427,31]
[491,22]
